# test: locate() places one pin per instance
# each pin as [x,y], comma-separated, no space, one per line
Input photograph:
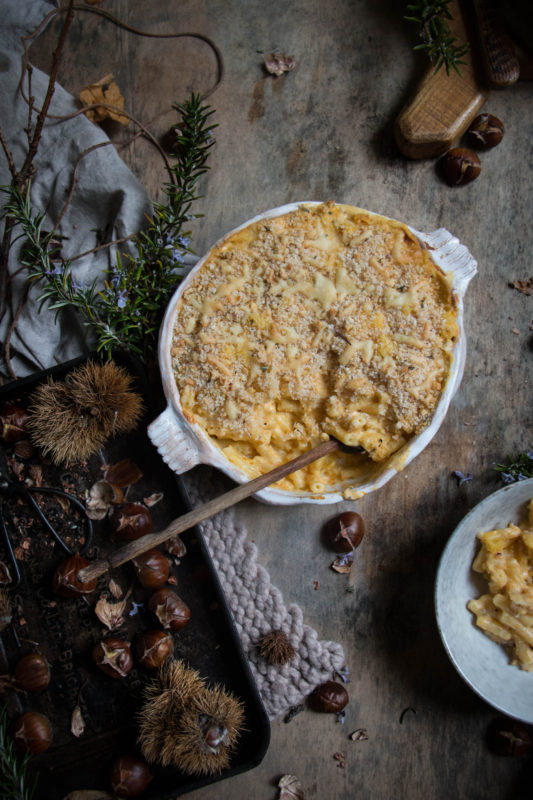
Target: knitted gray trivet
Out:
[258,608]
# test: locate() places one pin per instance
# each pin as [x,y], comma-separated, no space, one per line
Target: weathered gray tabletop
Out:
[324,131]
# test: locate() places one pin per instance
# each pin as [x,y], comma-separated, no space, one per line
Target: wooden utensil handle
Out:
[183,523]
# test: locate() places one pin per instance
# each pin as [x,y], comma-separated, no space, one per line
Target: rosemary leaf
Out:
[126,311]
[441,47]
[517,468]
[15,783]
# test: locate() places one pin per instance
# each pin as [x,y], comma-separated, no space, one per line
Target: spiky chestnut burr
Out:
[95,401]
[185,723]
[276,648]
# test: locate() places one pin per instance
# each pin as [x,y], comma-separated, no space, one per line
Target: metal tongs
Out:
[12,489]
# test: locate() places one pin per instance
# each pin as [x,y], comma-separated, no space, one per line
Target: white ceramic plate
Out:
[482,663]
[183,445]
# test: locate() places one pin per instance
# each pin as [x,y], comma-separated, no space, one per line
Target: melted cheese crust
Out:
[326,321]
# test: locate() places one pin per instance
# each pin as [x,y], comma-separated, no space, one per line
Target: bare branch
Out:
[104,246]
[7,151]
[27,167]
[75,181]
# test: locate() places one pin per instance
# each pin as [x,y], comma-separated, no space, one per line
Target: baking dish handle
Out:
[174,442]
[452,257]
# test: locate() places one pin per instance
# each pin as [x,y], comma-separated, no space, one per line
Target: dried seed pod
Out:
[32,733]
[485,132]
[152,569]
[130,521]
[32,672]
[345,531]
[330,697]
[13,421]
[459,166]
[65,580]
[129,776]
[172,613]
[152,648]
[123,473]
[113,656]
[175,546]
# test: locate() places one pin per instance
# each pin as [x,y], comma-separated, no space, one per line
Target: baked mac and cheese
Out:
[325,321]
[505,613]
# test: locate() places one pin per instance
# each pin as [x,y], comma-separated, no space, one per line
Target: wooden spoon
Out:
[151,540]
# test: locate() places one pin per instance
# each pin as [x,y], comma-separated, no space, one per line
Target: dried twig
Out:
[28,168]
[75,181]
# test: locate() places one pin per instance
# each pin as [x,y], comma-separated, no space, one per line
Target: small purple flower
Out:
[177,256]
[343,674]
[122,298]
[507,477]
[183,241]
[461,477]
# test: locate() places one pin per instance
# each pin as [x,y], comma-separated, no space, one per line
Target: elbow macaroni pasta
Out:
[505,613]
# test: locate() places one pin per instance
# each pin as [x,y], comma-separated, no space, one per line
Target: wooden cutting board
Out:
[442,106]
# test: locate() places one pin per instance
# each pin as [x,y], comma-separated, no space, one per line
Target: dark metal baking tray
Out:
[66,630]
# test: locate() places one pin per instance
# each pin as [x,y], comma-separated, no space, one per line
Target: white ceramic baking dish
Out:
[184,445]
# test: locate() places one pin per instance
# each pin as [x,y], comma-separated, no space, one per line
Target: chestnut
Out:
[172,613]
[459,166]
[485,132]
[153,647]
[32,733]
[130,521]
[113,656]
[65,580]
[507,737]
[345,531]
[13,419]
[330,697]
[152,569]
[129,776]
[32,672]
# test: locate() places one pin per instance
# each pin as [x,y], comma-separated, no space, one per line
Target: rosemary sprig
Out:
[441,47]
[519,468]
[15,783]
[126,311]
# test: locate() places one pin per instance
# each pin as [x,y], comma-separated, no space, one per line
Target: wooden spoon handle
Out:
[183,523]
